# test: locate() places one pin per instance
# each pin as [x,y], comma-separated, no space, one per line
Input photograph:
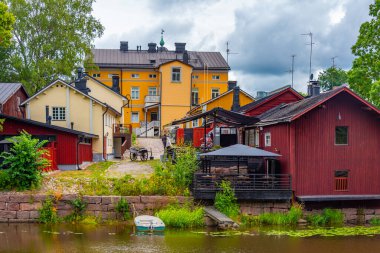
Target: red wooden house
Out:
[329,143]
[11,96]
[68,148]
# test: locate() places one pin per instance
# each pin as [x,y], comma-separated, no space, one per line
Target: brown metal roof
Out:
[7,90]
[144,59]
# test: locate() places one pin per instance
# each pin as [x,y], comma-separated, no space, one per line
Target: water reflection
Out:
[122,238]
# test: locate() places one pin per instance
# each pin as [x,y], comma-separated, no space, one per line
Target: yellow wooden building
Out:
[163,85]
[85,105]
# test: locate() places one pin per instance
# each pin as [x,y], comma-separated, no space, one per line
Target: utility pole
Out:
[310,34]
[333,61]
[293,55]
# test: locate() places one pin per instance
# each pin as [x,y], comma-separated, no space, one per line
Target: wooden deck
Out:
[246,186]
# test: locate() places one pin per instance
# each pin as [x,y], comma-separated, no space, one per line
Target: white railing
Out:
[152,99]
[147,129]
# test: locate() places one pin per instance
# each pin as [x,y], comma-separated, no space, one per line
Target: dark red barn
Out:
[11,96]
[329,143]
[68,148]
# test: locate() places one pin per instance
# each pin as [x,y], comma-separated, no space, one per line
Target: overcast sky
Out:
[263,34]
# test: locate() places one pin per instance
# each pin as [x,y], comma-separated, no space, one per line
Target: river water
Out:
[121,238]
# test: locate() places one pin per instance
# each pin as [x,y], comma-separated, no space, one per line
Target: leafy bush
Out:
[290,218]
[182,217]
[134,139]
[5,180]
[79,206]
[225,200]
[375,221]
[48,213]
[328,217]
[24,161]
[122,207]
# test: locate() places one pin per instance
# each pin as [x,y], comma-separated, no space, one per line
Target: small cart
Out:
[136,152]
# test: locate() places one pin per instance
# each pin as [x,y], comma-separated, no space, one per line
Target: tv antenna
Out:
[310,34]
[292,69]
[333,61]
[228,51]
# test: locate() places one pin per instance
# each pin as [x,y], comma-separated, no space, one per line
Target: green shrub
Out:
[328,217]
[182,217]
[375,221]
[24,161]
[122,207]
[79,206]
[225,200]
[290,218]
[48,213]
[5,180]
[134,139]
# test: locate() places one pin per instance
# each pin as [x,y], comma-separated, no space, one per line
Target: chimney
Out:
[80,72]
[231,84]
[313,88]
[124,46]
[186,57]
[180,47]
[81,83]
[115,84]
[152,47]
[236,101]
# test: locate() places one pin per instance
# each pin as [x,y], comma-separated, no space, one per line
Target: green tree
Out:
[24,161]
[332,77]
[51,39]
[6,23]
[364,77]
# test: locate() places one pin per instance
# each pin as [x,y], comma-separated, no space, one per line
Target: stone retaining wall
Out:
[256,208]
[24,207]
[352,215]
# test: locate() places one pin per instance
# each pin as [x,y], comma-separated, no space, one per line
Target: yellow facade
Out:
[82,113]
[175,99]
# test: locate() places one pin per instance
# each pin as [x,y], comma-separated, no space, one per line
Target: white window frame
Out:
[152,76]
[177,76]
[96,75]
[111,75]
[215,77]
[194,90]
[133,90]
[150,89]
[59,113]
[267,139]
[135,75]
[216,92]
[195,77]
[196,123]
[257,138]
[138,117]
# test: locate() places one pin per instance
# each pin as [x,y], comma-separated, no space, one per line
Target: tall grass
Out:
[375,221]
[290,218]
[331,217]
[182,216]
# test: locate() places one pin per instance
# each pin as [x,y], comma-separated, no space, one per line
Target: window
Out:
[195,123]
[135,93]
[267,139]
[215,77]
[257,138]
[152,76]
[96,75]
[341,180]
[152,91]
[194,97]
[135,75]
[176,74]
[195,77]
[59,113]
[341,135]
[135,117]
[214,93]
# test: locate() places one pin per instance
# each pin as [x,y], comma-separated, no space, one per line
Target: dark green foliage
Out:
[5,180]
[182,216]
[79,206]
[225,200]
[375,221]
[332,77]
[25,161]
[328,217]
[122,207]
[51,38]
[364,77]
[48,213]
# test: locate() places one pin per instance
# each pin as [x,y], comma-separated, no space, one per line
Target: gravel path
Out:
[135,169]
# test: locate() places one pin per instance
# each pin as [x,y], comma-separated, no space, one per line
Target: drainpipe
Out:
[107,107]
[78,168]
